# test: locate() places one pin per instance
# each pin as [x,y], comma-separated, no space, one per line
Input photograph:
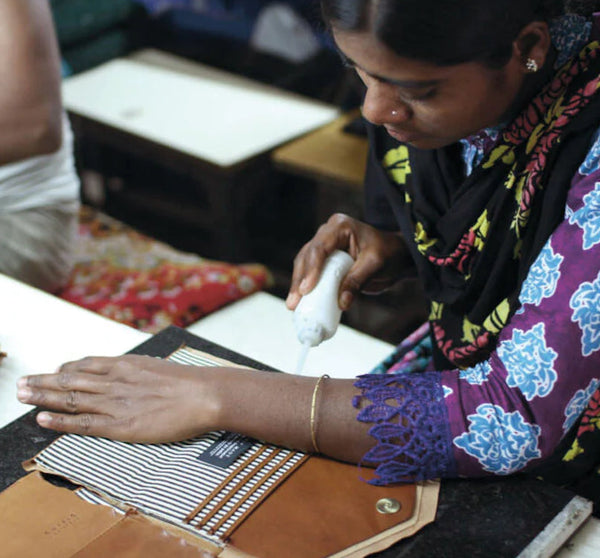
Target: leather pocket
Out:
[39,519]
[322,508]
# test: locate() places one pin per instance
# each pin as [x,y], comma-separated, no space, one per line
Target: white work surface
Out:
[39,332]
[260,327]
[215,116]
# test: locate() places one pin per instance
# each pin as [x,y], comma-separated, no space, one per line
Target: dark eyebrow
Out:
[409,84]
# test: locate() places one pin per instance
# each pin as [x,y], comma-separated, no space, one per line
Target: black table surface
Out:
[475,518]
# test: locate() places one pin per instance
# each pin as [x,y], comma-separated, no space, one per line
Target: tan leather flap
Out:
[38,519]
[322,508]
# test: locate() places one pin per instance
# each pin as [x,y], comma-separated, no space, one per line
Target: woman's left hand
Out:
[130,398]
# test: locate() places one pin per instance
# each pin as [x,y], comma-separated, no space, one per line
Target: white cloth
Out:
[39,206]
[40,181]
[37,246]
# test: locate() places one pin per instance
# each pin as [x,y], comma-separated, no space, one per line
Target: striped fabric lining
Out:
[168,481]
[187,355]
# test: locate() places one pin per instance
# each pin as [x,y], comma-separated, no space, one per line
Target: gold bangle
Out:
[313,408]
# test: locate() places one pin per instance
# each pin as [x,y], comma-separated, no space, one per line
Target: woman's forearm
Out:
[277,408]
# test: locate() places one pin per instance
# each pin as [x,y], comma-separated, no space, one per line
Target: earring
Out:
[531,65]
[394,113]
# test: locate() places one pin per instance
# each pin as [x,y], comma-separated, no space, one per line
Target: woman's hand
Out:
[380,259]
[130,398]
[143,399]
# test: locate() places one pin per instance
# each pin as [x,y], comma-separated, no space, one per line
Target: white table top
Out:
[207,113]
[39,332]
[261,327]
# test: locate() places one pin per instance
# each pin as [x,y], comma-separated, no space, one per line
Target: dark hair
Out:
[446,32]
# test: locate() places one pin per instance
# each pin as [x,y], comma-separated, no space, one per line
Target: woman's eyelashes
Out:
[412,95]
[417,96]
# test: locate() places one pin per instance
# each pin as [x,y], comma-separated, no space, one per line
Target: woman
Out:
[482,175]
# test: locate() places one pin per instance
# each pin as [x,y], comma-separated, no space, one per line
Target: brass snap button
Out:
[388,505]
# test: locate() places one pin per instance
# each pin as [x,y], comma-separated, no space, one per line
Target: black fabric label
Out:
[225,450]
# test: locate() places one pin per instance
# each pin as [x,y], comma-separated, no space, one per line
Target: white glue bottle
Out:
[318,314]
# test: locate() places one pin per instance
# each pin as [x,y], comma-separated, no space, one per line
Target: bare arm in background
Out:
[30,98]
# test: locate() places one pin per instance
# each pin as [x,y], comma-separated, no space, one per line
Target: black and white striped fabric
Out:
[169,481]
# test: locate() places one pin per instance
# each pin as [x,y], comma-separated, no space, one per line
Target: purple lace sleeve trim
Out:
[410,425]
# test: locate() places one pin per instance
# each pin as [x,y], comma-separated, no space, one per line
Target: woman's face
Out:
[425,105]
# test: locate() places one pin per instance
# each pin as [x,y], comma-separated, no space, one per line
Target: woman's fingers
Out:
[65,380]
[305,275]
[313,265]
[361,272]
[308,264]
[90,374]
[294,295]
[72,401]
[129,398]
[80,386]
[91,365]
[88,424]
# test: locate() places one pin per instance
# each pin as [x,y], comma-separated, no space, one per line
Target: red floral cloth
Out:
[134,279]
